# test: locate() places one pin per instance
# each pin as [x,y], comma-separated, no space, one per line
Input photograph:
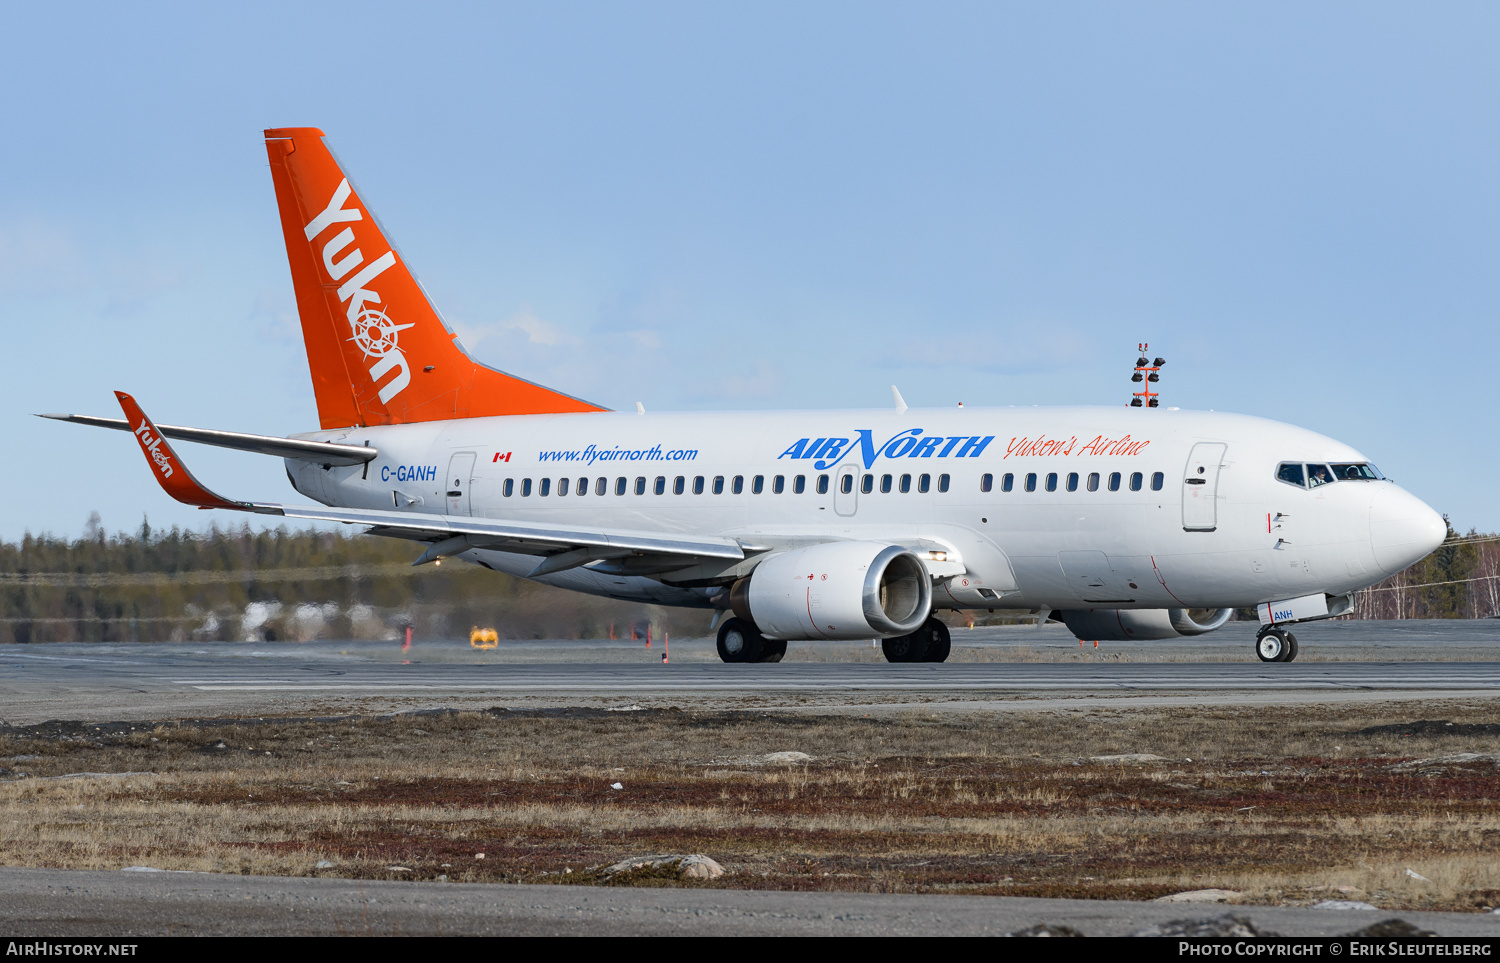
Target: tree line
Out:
[160,585]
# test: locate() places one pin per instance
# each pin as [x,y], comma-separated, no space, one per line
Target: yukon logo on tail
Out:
[373,331]
[152,444]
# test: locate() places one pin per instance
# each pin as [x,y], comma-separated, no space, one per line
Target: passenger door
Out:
[460,472]
[1200,487]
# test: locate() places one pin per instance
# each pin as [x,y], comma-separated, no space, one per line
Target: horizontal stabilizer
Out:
[322,452]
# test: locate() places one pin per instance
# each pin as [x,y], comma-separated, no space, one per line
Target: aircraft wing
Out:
[566,546]
[323,452]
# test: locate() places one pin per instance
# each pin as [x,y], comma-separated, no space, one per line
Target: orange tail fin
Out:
[379,352]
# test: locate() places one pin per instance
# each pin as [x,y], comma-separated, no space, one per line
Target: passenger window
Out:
[718,484]
[986,482]
[640,485]
[562,487]
[698,485]
[778,484]
[739,484]
[943,483]
[757,484]
[1031,481]
[1093,481]
[1007,482]
[905,484]
[1051,481]
[543,487]
[885,483]
[1135,481]
[602,485]
[1318,475]
[508,488]
[1072,481]
[661,485]
[822,484]
[1157,480]
[679,485]
[621,484]
[924,482]
[525,487]
[1114,481]
[846,484]
[799,484]
[867,484]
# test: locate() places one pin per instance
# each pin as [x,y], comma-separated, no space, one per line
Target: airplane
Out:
[1122,523]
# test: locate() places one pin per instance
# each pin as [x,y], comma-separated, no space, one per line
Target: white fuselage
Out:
[1230,534]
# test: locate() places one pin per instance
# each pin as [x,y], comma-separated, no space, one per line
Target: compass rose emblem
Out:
[375,332]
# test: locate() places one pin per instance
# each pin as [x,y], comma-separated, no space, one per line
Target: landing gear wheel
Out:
[939,644]
[1276,645]
[773,650]
[908,648]
[740,641]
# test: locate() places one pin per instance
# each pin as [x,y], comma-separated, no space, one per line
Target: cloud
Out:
[39,257]
[275,318]
[752,380]
[536,331]
[1039,347]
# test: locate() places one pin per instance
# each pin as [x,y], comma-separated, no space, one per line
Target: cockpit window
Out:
[1364,472]
[1311,476]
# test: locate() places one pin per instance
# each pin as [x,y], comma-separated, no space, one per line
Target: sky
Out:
[763,206]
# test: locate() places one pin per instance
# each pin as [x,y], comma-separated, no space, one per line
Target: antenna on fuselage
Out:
[1150,373]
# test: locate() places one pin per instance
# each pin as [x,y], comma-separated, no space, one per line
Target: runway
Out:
[993,670]
[74,903]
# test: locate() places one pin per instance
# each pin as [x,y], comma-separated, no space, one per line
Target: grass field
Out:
[1285,806]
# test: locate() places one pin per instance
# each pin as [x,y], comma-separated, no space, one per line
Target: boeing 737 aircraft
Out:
[1124,523]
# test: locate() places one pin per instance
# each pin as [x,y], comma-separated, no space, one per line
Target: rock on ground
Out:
[692,866]
[1200,896]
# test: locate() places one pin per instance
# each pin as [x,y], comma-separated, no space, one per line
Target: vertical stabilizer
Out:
[379,352]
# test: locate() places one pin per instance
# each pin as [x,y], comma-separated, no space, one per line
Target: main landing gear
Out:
[740,641]
[930,643]
[1275,644]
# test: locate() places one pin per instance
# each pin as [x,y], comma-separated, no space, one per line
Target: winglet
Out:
[170,471]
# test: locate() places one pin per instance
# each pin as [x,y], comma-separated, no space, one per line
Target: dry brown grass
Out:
[1284,805]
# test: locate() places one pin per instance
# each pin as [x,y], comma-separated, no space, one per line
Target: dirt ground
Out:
[1394,805]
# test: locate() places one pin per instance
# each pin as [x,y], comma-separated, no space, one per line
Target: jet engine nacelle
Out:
[837,590]
[1106,625]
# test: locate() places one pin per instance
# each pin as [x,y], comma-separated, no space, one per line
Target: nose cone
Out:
[1403,529]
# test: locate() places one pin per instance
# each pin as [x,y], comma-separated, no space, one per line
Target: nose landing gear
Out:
[1275,644]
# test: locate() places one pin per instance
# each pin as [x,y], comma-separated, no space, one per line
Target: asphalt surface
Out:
[1014,669]
[45,902]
